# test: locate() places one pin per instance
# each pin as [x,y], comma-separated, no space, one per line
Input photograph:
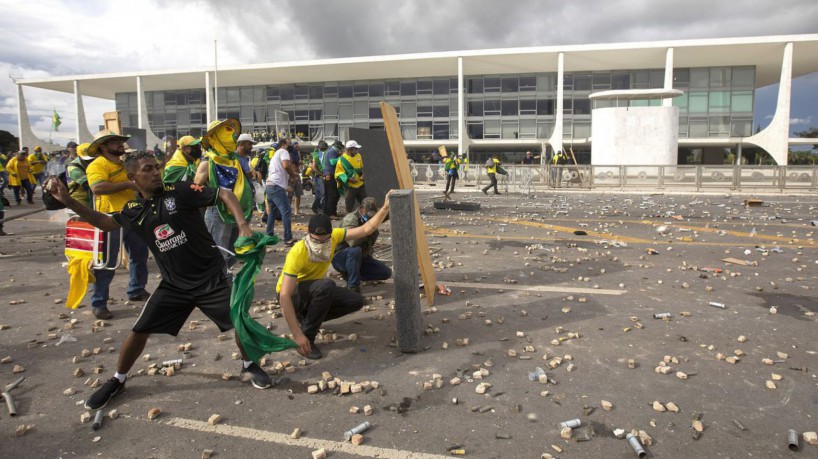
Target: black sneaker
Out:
[101,397]
[103,313]
[258,377]
[315,353]
[290,242]
[141,296]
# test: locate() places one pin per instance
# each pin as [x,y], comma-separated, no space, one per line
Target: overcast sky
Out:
[66,37]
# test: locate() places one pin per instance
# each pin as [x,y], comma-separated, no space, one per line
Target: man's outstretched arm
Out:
[98,219]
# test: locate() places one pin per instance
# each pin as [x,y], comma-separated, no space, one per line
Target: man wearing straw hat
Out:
[111,188]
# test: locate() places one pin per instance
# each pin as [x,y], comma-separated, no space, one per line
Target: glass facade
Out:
[717,102]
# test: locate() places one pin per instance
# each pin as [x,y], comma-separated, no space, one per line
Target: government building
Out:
[667,102]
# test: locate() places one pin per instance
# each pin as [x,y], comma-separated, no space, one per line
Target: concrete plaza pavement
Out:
[522,282]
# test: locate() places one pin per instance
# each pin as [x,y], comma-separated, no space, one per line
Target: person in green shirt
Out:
[451,165]
[78,186]
[184,162]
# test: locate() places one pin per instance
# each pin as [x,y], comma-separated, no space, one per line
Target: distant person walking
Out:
[491,169]
[349,173]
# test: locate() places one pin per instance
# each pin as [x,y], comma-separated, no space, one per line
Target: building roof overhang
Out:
[765,53]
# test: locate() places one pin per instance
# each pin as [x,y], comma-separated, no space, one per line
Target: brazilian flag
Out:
[225,172]
[178,169]
[56,121]
[254,337]
[345,172]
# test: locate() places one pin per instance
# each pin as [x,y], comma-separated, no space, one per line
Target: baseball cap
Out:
[352,144]
[320,225]
[82,152]
[370,207]
[245,138]
[188,141]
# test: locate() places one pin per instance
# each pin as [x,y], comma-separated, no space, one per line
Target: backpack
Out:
[490,162]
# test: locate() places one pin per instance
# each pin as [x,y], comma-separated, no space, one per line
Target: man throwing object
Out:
[169,220]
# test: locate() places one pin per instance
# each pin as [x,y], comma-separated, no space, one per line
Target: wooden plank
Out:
[112,122]
[392,127]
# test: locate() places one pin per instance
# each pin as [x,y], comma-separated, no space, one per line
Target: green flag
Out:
[254,337]
[56,121]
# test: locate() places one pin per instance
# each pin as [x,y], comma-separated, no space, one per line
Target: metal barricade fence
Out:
[530,178]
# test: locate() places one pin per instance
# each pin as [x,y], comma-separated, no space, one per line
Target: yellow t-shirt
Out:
[37,161]
[104,170]
[298,265]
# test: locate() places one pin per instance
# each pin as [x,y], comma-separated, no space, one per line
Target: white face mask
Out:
[319,252]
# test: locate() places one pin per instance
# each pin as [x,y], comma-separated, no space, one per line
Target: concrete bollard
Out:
[405,263]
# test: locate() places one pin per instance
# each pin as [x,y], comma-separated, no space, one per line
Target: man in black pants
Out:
[169,220]
[331,195]
[306,296]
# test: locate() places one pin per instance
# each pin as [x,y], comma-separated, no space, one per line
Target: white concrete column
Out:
[461,121]
[668,102]
[556,136]
[775,137]
[82,133]
[25,133]
[208,99]
[142,114]
[141,107]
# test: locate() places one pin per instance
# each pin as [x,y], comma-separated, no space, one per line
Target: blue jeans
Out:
[318,192]
[279,202]
[25,188]
[138,259]
[223,234]
[351,263]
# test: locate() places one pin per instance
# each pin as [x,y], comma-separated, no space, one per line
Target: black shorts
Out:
[168,308]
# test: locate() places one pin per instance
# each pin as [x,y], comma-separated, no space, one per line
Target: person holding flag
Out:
[221,168]
[349,175]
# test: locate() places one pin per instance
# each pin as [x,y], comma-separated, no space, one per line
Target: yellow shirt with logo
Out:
[298,264]
[103,169]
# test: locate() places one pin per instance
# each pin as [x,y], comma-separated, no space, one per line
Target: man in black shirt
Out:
[169,220]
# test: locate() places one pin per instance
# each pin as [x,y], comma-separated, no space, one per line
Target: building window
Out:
[376,89]
[392,88]
[424,130]
[287,93]
[528,129]
[719,126]
[360,90]
[657,78]
[491,129]
[330,92]
[425,111]
[545,106]
[528,107]
[510,108]
[424,87]
[474,85]
[475,129]
[408,88]
[545,129]
[409,131]
[582,106]
[491,84]
[697,102]
[742,127]
[441,87]
[620,80]
[720,77]
[582,82]
[491,107]
[475,108]
[441,111]
[681,78]
[345,91]
[440,130]
[601,81]
[528,83]
[697,127]
[681,102]
[361,109]
[316,92]
[510,84]
[273,93]
[699,78]
[719,101]
[546,82]
[511,129]
[408,109]
[744,77]
[375,111]
[742,101]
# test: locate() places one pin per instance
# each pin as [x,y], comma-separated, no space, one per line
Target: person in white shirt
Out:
[278,178]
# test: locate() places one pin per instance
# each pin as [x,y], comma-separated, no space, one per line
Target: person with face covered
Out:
[111,188]
[306,296]
[349,173]
[184,162]
[221,168]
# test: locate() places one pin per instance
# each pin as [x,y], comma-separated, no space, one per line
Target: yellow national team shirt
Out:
[104,170]
[298,263]
[37,161]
